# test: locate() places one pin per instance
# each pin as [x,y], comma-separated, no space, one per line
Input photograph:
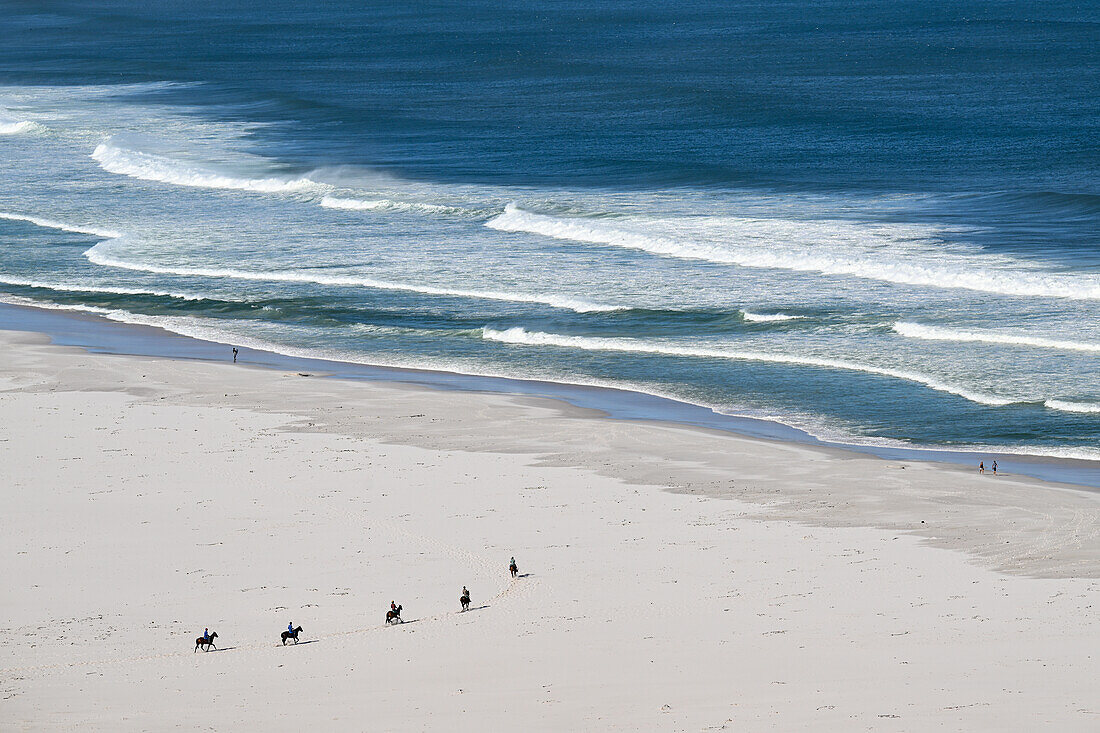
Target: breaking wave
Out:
[1066,406]
[336,202]
[892,253]
[60,225]
[100,255]
[163,169]
[940,333]
[21,126]
[106,289]
[767,317]
[537,338]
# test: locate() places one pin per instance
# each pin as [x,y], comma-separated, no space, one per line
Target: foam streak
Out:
[99,255]
[940,333]
[523,337]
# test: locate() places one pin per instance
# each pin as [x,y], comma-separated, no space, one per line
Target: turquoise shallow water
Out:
[879,227]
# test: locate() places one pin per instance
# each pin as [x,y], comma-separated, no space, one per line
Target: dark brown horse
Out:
[513,569]
[204,642]
[465,601]
[394,616]
[292,635]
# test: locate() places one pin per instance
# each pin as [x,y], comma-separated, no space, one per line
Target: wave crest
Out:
[163,169]
[891,253]
[1067,406]
[19,127]
[416,207]
[767,317]
[941,333]
[100,255]
[536,338]
[60,225]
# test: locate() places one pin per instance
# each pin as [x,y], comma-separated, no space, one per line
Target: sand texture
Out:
[671,578]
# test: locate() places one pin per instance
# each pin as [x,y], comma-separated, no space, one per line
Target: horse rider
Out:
[393,606]
[465,592]
[290,628]
[206,635]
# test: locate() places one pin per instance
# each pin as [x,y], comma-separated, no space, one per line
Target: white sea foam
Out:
[61,226]
[18,127]
[200,328]
[416,207]
[101,255]
[906,254]
[107,289]
[153,167]
[767,317]
[941,333]
[537,338]
[1067,406]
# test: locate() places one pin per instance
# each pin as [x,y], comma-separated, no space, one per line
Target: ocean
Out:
[876,222]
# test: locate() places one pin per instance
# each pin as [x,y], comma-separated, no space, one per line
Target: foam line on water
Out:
[106,289]
[767,317]
[152,167]
[521,336]
[1067,406]
[19,127]
[60,225]
[199,328]
[942,333]
[100,255]
[826,247]
[416,207]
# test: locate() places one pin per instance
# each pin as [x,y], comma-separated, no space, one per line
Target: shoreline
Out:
[672,577]
[98,334]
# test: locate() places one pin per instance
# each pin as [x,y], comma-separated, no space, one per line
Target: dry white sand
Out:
[771,587]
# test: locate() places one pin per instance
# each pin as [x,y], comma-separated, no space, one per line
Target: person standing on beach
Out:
[234,354]
[994,467]
[981,467]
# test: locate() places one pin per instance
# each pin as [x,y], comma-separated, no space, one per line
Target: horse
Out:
[465,601]
[513,569]
[394,617]
[292,635]
[208,643]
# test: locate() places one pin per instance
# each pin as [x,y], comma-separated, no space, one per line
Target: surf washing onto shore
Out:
[741,236]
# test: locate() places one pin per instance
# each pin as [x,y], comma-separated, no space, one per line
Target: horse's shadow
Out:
[219,649]
[525,575]
[475,608]
[302,643]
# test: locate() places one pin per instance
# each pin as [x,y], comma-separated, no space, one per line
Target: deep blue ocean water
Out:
[874,221]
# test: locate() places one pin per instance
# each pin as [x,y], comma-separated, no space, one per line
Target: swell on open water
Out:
[879,227]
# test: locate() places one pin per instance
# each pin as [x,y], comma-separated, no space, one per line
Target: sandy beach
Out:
[670,578]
